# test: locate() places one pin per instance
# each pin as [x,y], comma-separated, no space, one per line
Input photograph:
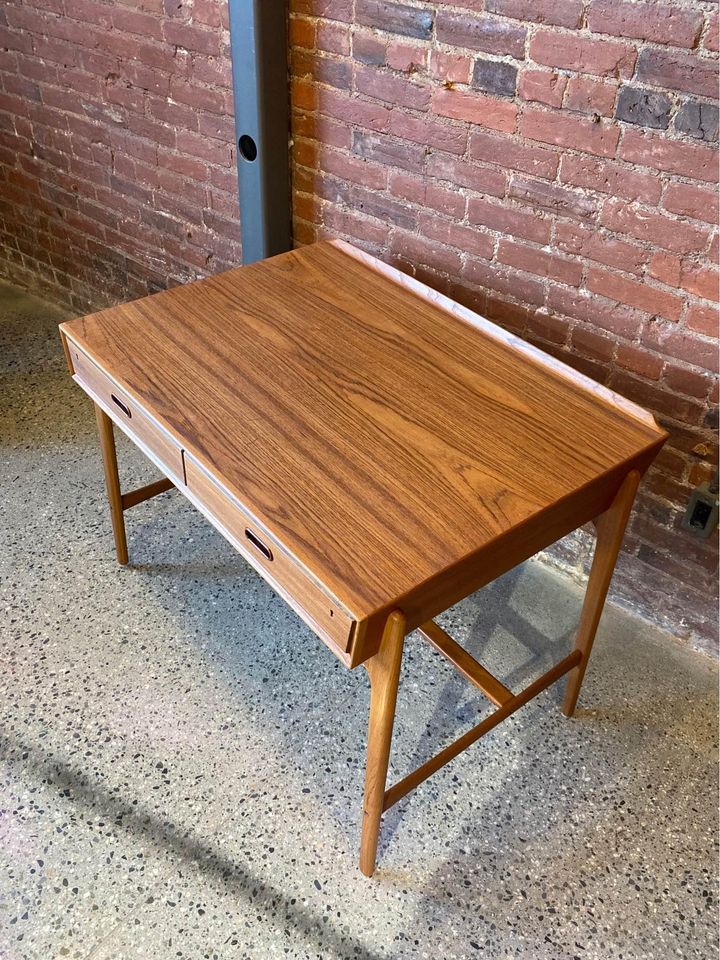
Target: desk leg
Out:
[610,530]
[112,482]
[384,672]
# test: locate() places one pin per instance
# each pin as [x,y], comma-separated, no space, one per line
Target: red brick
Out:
[442,136]
[392,89]
[653,300]
[363,113]
[481,33]
[690,201]
[542,86]
[483,111]
[302,32]
[710,41]
[481,179]
[426,193]
[469,240]
[657,22]
[665,267]
[416,249]
[565,131]
[591,96]
[679,71]
[639,361]
[516,155]
[583,54]
[383,208]
[593,344]
[700,280]
[353,168]
[607,176]
[406,57]
[368,48]
[562,13]
[514,221]
[683,345]
[333,37]
[661,401]
[347,222]
[514,285]
[391,17]
[556,199]
[663,231]
[685,381]
[548,327]
[388,150]
[539,262]
[597,245]
[453,67]
[702,319]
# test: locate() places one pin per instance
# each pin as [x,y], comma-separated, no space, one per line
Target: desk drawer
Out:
[331,622]
[129,416]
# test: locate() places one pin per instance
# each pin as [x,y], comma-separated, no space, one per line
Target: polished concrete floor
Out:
[181,762]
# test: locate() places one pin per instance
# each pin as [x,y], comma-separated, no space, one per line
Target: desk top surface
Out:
[381,432]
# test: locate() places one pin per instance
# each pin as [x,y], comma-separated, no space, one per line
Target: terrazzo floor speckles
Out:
[181,760]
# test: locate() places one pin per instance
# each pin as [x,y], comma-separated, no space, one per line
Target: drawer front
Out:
[130,417]
[330,621]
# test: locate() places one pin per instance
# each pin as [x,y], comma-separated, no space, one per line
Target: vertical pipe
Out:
[258,37]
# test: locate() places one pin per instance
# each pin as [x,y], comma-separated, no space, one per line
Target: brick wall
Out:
[117,167]
[551,163]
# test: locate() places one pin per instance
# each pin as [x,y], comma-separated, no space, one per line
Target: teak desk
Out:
[375,451]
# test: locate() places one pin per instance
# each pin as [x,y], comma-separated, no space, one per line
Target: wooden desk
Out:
[374,450]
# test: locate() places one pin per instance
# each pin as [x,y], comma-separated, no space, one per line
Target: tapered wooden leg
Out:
[384,671]
[112,482]
[610,530]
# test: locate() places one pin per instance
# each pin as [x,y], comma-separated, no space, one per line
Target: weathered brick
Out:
[634,293]
[561,13]
[639,361]
[665,267]
[657,22]
[663,231]
[392,89]
[569,131]
[591,96]
[452,67]
[672,156]
[698,119]
[646,108]
[700,280]
[542,86]
[685,381]
[506,152]
[584,54]
[443,136]
[703,319]
[678,71]
[514,221]
[488,276]
[683,345]
[468,239]
[388,150]
[395,18]
[558,200]
[481,33]
[481,179]
[601,247]
[625,321]
[607,176]
[476,108]
[495,76]
[415,249]
[368,48]
[539,262]
[383,208]
[425,192]
[409,58]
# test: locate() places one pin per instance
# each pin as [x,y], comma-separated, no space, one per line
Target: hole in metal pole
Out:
[247,148]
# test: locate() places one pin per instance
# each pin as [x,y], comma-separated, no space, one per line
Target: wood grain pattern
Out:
[610,530]
[398,446]
[467,665]
[112,482]
[321,612]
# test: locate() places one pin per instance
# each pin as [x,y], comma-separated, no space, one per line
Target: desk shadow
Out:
[77,787]
[459,705]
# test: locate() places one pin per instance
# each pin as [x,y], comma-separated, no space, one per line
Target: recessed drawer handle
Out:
[256,542]
[125,409]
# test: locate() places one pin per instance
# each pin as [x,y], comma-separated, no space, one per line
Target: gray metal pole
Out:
[258,37]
